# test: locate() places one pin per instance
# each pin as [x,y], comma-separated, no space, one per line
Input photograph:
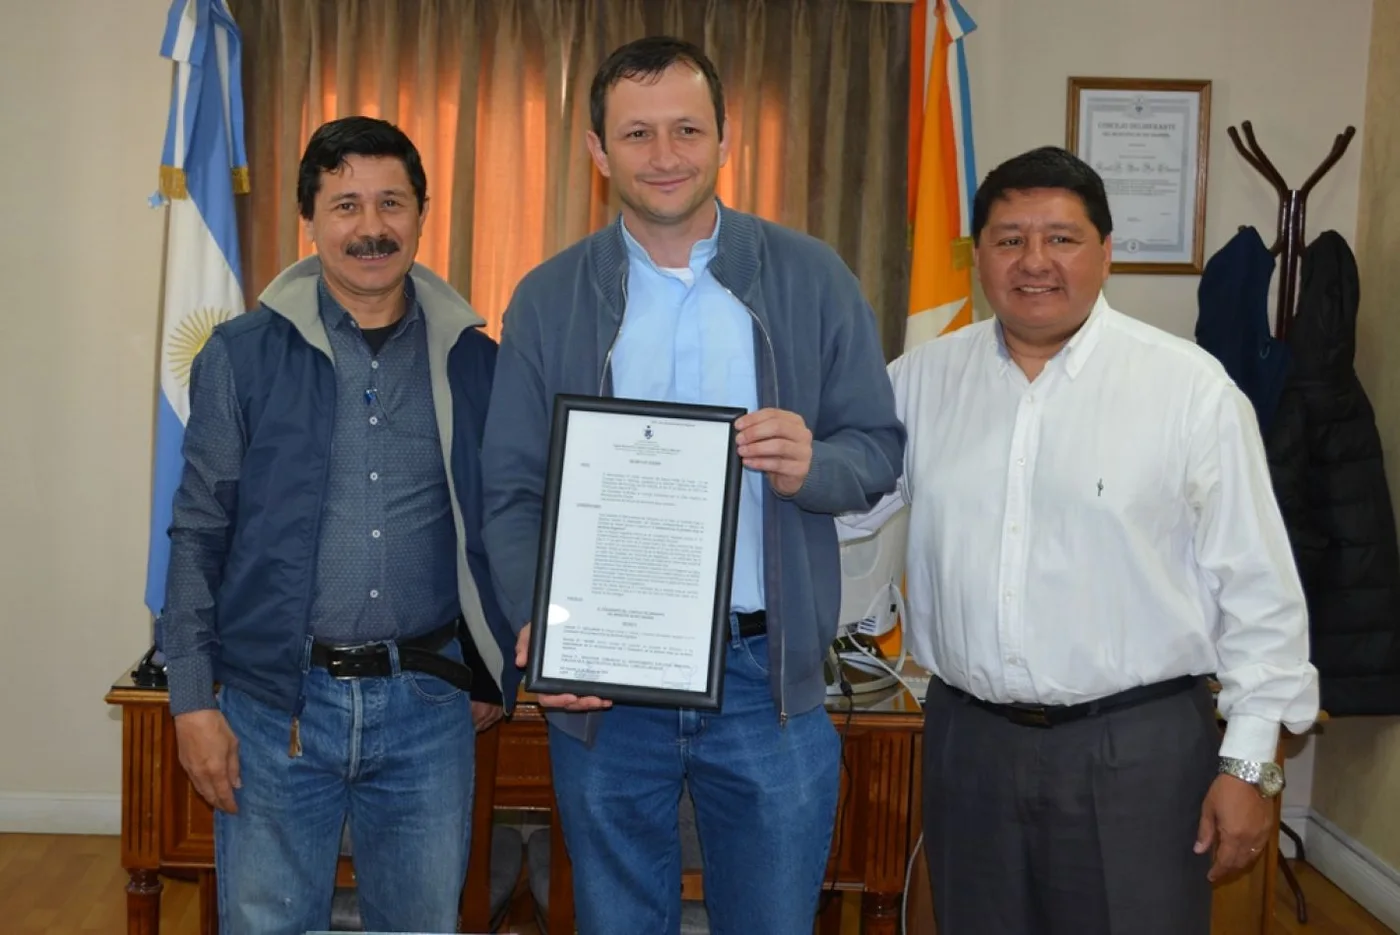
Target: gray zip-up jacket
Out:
[816,353]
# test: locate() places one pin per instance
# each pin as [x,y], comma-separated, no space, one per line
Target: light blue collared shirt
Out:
[685,339]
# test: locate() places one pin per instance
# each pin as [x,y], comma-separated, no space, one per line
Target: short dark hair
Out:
[648,58]
[1046,167]
[355,136]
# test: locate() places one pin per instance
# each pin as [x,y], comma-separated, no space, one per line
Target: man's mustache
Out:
[372,246]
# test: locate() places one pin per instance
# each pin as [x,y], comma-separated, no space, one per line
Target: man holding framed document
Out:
[688,574]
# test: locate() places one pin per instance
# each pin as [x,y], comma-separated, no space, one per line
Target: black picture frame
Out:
[565,405]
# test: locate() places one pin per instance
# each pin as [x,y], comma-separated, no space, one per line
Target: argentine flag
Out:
[202,166]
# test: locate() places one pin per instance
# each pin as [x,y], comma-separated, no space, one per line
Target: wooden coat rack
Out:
[1292,211]
[1292,216]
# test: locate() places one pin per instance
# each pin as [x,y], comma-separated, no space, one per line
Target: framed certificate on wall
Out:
[1149,140]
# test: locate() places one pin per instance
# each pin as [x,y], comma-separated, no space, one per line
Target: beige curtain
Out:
[495,95]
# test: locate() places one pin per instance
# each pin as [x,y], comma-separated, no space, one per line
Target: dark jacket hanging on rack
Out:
[1232,322]
[1325,455]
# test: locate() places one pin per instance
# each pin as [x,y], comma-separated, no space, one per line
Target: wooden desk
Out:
[166,825]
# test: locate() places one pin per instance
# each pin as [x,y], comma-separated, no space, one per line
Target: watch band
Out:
[1265,776]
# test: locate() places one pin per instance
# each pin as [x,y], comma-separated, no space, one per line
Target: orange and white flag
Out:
[942,173]
[942,179]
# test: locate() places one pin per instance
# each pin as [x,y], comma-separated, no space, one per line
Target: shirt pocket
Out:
[411,421]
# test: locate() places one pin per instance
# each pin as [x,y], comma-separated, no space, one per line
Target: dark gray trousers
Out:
[1085,828]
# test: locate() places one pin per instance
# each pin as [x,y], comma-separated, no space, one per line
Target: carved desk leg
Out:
[880,913]
[143,902]
[208,903]
[142,727]
[829,918]
[891,777]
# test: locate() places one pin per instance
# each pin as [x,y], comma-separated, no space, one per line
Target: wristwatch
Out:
[1267,777]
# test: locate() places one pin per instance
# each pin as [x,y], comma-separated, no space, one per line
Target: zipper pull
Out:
[294,747]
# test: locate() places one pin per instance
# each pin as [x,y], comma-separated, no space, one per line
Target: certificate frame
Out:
[643,412]
[1181,108]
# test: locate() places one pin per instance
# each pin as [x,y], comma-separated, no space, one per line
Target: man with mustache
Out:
[326,566]
[1092,530]
[684,300]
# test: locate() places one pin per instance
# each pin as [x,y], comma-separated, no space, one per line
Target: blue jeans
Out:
[765,804]
[394,755]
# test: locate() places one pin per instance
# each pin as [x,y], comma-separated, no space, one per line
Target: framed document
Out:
[1149,141]
[636,557]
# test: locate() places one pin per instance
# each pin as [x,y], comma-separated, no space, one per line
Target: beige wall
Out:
[1296,72]
[1357,778]
[83,109]
[84,104]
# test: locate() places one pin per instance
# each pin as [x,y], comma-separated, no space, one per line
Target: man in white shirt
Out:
[1092,531]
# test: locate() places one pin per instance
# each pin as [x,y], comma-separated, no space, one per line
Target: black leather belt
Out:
[419,654]
[1034,715]
[752,624]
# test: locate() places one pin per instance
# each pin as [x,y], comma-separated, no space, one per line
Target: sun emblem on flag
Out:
[188,339]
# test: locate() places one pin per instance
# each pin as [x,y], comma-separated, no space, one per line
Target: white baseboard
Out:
[65,813]
[1349,864]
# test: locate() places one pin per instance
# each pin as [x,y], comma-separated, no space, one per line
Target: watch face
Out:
[1271,779]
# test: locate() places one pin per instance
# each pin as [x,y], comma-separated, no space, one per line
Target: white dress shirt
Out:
[1109,525]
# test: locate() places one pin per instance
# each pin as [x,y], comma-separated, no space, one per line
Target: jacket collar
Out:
[735,263]
[293,295]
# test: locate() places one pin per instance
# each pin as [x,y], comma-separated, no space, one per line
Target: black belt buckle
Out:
[369,660]
[752,624]
[1028,715]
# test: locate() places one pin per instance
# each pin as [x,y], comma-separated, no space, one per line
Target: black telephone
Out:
[150,671]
